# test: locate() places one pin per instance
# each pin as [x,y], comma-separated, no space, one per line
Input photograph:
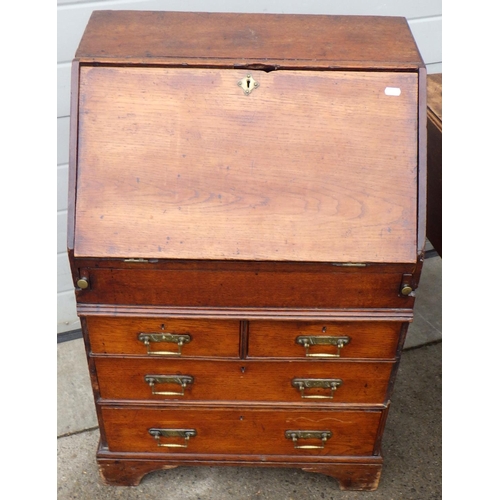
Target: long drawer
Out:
[273,381]
[343,339]
[240,431]
[163,337]
[301,286]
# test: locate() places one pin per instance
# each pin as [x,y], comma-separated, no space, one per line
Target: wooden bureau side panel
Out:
[434,162]
[241,431]
[368,339]
[114,335]
[198,288]
[124,379]
[312,166]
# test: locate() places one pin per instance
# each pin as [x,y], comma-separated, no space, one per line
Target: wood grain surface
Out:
[245,221]
[241,430]
[110,335]
[231,381]
[435,97]
[231,39]
[352,473]
[368,339]
[311,166]
[225,288]
[434,226]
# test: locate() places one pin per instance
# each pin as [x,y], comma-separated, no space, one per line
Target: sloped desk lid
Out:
[180,163]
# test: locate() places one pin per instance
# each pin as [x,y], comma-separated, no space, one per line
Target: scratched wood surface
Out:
[200,288]
[368,340]
[362,382]
[311,166]
[241,430]
[230,39]
[120,336]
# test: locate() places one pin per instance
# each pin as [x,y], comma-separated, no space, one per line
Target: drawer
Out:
[316,340]
[272,381]
[240,431]
[163,337]
[254,285]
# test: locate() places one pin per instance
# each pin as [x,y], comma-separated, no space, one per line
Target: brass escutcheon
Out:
[248,84]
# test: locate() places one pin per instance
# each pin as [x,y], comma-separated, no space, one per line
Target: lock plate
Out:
[248,84]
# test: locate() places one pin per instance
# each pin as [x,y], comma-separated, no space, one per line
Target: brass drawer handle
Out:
[172,338]
[172,433]
[324,383]
[182,380]
[309,340]
[296,435]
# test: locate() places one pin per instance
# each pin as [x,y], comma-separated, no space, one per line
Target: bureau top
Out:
[233,40]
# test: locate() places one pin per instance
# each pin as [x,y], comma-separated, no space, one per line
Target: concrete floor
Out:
[411,444]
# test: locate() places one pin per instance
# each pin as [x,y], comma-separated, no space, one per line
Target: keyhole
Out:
[248,84]
[324,329]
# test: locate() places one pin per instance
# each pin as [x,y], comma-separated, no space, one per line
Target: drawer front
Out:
[272,381]
[240,431]
[328,340]
[329,288]
[166,338]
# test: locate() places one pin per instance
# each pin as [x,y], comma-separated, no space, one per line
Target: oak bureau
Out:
[246,234]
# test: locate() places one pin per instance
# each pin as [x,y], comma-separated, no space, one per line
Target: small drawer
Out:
[165,338]
[158,380]
[241,431]
[328,340]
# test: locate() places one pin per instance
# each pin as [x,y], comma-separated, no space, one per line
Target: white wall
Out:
[424,17]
